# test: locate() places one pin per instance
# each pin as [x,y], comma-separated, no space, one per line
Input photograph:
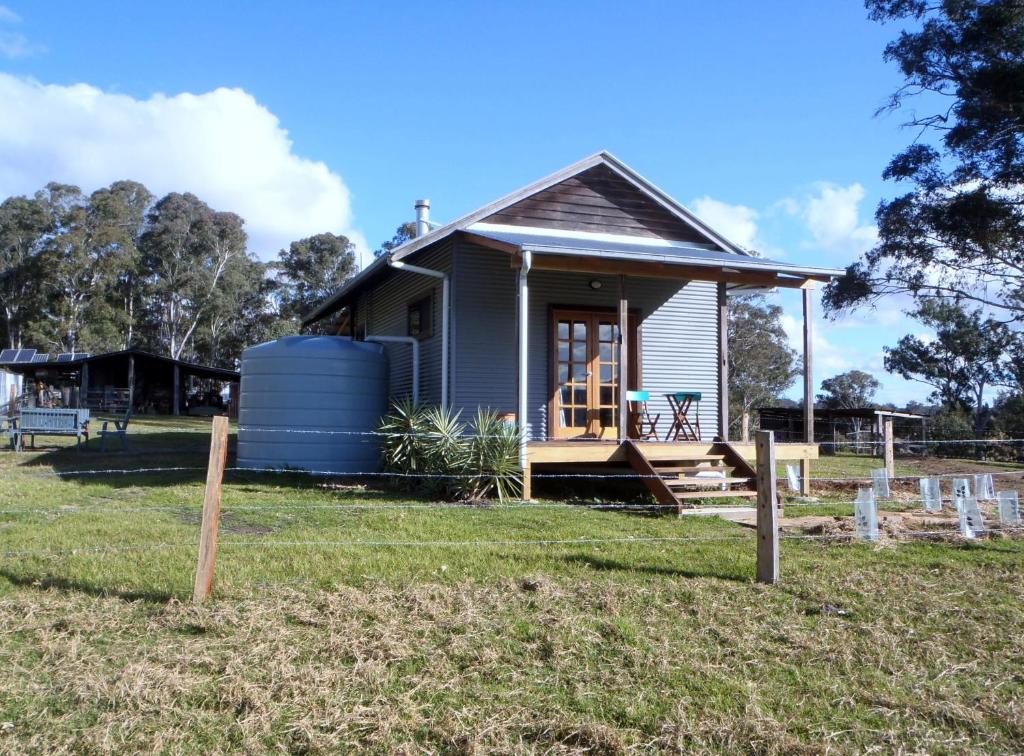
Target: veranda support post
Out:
[767,509]
[211,510]
[805,463]
[889,447]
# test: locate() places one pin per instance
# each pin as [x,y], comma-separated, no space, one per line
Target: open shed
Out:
[857,429]
[115,381]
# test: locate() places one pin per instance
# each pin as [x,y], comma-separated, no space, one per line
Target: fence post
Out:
[767,511]
[211,510]
[889,443]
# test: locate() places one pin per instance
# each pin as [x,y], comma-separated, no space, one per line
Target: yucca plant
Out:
[430,445]
[403,449]
[492,464]
[419,440]
[445,451]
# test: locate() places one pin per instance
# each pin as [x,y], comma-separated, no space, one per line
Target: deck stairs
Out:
[722,473]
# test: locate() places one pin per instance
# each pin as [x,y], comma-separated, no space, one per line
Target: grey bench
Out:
[48,422]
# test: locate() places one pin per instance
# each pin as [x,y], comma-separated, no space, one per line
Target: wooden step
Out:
[691,468]
[688,458]
[715,494]
[710,482]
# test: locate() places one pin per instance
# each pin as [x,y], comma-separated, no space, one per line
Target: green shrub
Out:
[443,457]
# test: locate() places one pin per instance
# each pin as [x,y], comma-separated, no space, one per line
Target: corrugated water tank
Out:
[299,391]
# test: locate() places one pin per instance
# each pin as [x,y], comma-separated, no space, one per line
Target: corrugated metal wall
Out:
[679,328]
[384,311]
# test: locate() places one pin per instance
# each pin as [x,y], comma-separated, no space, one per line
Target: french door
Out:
[585,367]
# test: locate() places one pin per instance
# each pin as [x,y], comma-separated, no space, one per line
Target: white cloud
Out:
[832,215]
[737,223]
[14,44]
[829,357]
[222,146]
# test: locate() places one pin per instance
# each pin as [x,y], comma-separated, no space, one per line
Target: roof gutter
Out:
[445,315]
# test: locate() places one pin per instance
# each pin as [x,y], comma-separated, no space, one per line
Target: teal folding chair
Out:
[642,425]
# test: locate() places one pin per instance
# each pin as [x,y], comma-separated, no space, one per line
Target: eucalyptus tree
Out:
[117,215]
[24,226]
[964,360]
[958,230]
[853,389]
[310,270]
[186,249]
[761,363]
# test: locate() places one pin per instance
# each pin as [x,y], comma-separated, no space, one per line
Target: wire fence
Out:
[929,530]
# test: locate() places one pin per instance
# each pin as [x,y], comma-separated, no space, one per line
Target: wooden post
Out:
[623,361]
[805,464]
[83,392]
[890,452]
[522,379]
[131,382]
[176,404]
[211,510]
[767,511]
[723,366]
[745,428]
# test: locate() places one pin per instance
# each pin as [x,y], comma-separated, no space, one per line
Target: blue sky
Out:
[312,116]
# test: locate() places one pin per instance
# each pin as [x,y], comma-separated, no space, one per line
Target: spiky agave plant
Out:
[492,458]
[445,450]
[403,449]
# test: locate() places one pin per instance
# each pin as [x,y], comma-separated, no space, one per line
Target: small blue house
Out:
[553,302]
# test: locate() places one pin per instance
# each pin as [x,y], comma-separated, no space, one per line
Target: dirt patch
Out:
[231,524]
[912,525]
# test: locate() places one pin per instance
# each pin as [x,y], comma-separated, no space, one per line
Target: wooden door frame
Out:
[634,367]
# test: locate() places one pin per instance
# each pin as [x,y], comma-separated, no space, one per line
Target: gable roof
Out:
[661,209]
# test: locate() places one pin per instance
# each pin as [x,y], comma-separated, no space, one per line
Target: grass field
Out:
[319,644]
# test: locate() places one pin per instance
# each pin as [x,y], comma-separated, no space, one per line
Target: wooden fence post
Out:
[767,509]
[211,510]
[889,442]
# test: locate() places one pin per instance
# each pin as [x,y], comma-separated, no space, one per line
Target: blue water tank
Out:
[312,403]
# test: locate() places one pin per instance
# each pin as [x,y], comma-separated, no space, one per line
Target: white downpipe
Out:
[445,293]
[524,312]
[415,344]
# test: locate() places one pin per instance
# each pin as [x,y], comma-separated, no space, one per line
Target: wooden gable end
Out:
[598,200]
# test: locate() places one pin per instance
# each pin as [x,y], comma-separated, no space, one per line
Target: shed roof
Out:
[839,412]
[189,368]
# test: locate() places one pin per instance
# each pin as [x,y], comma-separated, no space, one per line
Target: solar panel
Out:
[41,358]
[67,357]
[25,355]
[8,355]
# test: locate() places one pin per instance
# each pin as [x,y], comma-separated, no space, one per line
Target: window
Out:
[420,321]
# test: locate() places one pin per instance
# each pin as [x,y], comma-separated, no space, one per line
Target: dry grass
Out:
[918,660]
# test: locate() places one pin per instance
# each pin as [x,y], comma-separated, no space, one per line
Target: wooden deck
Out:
[605,452]
[675,472]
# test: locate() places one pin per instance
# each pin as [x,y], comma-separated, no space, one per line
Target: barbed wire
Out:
[701,480]
[504,543]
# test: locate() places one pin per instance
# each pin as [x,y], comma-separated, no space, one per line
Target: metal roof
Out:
[642,250]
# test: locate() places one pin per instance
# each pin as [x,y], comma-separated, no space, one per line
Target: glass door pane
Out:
[606,376]
[573,374]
